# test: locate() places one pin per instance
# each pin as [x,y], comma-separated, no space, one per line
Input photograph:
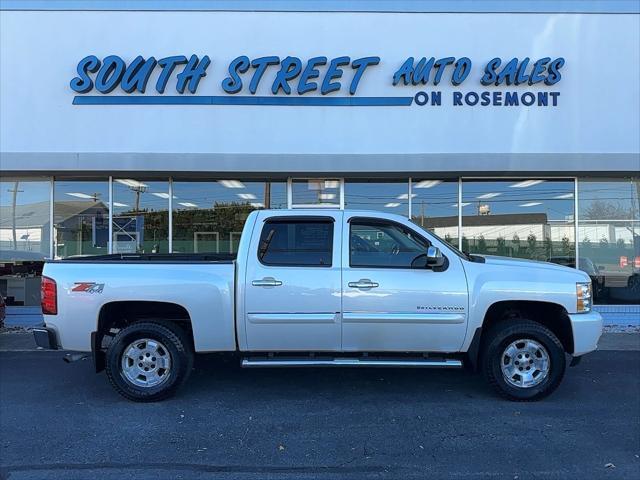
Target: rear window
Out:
[304,243]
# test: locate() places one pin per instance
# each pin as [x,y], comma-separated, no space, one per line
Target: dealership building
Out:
[506,127]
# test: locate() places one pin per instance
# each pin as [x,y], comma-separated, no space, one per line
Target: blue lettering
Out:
[192,73]
[168,64]
[528,99]
[522,77]
[511,99]
[333,72]
[260,64]
[553,75]
[361,64]
[543,99]
[436,98]
[83,83]
[490,75]
[457,99]
[110,74]
[289,69]
[471,98]
[538,70]
[554,97]
[497,98]
[404,73]
[422,71]
[508,73]
[461,71]
[233,83]
[304,85]
[486,98]
[137,74]
[441,64]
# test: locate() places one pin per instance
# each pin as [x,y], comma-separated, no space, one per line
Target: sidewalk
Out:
[20,340]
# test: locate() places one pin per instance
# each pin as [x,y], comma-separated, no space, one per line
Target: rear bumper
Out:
[587,329]
[46,338]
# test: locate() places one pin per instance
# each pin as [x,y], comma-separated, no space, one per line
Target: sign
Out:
[291,80]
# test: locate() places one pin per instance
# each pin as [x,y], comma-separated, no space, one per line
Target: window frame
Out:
[299,219]
[373,221]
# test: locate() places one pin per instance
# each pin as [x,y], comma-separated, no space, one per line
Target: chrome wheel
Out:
[525,363]
[146,363]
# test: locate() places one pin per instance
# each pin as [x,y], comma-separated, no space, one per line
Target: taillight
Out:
[49,296]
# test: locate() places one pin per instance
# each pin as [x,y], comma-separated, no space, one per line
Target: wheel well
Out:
[551,315]
[117,315]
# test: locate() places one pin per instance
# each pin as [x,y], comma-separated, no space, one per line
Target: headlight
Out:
[583,295]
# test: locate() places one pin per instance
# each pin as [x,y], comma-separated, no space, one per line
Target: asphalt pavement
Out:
[63,421]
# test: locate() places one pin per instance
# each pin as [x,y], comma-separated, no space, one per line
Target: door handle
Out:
[266,282]
[363,283]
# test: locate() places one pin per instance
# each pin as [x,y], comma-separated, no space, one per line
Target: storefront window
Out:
[140,216]
[388,197]
[529,218]
[318,192]
[434,206]
[24,238]
[81,217]
[208,216]
[609,236]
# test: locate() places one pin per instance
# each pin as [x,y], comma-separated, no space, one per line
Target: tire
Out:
[508,374]
[161,348]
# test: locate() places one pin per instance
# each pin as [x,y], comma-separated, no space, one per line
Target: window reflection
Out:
[317,192]
[434,206]
[208,216]
[388,197]
[81,217]
[24,238]
[529,218]
[140,216]
[609,236]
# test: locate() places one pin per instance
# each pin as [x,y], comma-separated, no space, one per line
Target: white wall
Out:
[597,112]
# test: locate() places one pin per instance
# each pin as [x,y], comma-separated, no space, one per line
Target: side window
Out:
[383,244]
[294,243]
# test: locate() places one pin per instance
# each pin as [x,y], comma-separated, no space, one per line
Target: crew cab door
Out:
[388,305]
[293,283]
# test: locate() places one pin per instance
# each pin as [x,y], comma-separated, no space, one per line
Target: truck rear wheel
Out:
[523,360]
[149,361]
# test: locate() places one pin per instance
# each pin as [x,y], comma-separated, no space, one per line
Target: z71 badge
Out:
[88,287]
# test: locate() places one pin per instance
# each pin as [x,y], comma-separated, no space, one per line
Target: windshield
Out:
[453,248]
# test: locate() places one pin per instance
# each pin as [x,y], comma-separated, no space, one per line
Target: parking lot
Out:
[63,421]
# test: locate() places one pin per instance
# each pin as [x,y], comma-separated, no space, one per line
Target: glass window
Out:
[529,218]
[383,244]
[315,192]
[24,238]
[81,217]
[24,218]
[296,243]
[208,216]
[388,197]
[140,216]
[609,236]
[434,206]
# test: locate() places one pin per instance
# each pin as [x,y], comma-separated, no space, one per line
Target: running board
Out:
[267,362]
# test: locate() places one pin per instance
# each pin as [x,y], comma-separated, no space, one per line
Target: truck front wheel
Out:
[523,360]
[149,361]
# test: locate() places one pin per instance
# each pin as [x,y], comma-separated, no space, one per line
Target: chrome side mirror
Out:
[434,257]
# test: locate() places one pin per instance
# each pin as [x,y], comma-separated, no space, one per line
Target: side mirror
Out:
[434,257]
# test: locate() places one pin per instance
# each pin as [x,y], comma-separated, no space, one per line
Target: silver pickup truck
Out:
[320,289]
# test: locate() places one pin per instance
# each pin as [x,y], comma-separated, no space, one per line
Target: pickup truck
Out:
[311,288]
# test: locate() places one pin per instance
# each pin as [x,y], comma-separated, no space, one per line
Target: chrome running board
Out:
[267,362]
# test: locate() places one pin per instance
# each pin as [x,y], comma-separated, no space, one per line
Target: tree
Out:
[548,246]
[531,242]
[481,246]
[515,241]
[567,247]
[502,245]
[603,210]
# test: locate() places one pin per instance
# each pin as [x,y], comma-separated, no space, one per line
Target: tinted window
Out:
[378,244]
[296,243]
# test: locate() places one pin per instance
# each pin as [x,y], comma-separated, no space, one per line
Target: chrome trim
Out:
[291,318]
[265,362]
[395,318]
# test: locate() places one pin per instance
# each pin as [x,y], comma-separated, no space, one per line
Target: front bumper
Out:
[46,338]
[587,329]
